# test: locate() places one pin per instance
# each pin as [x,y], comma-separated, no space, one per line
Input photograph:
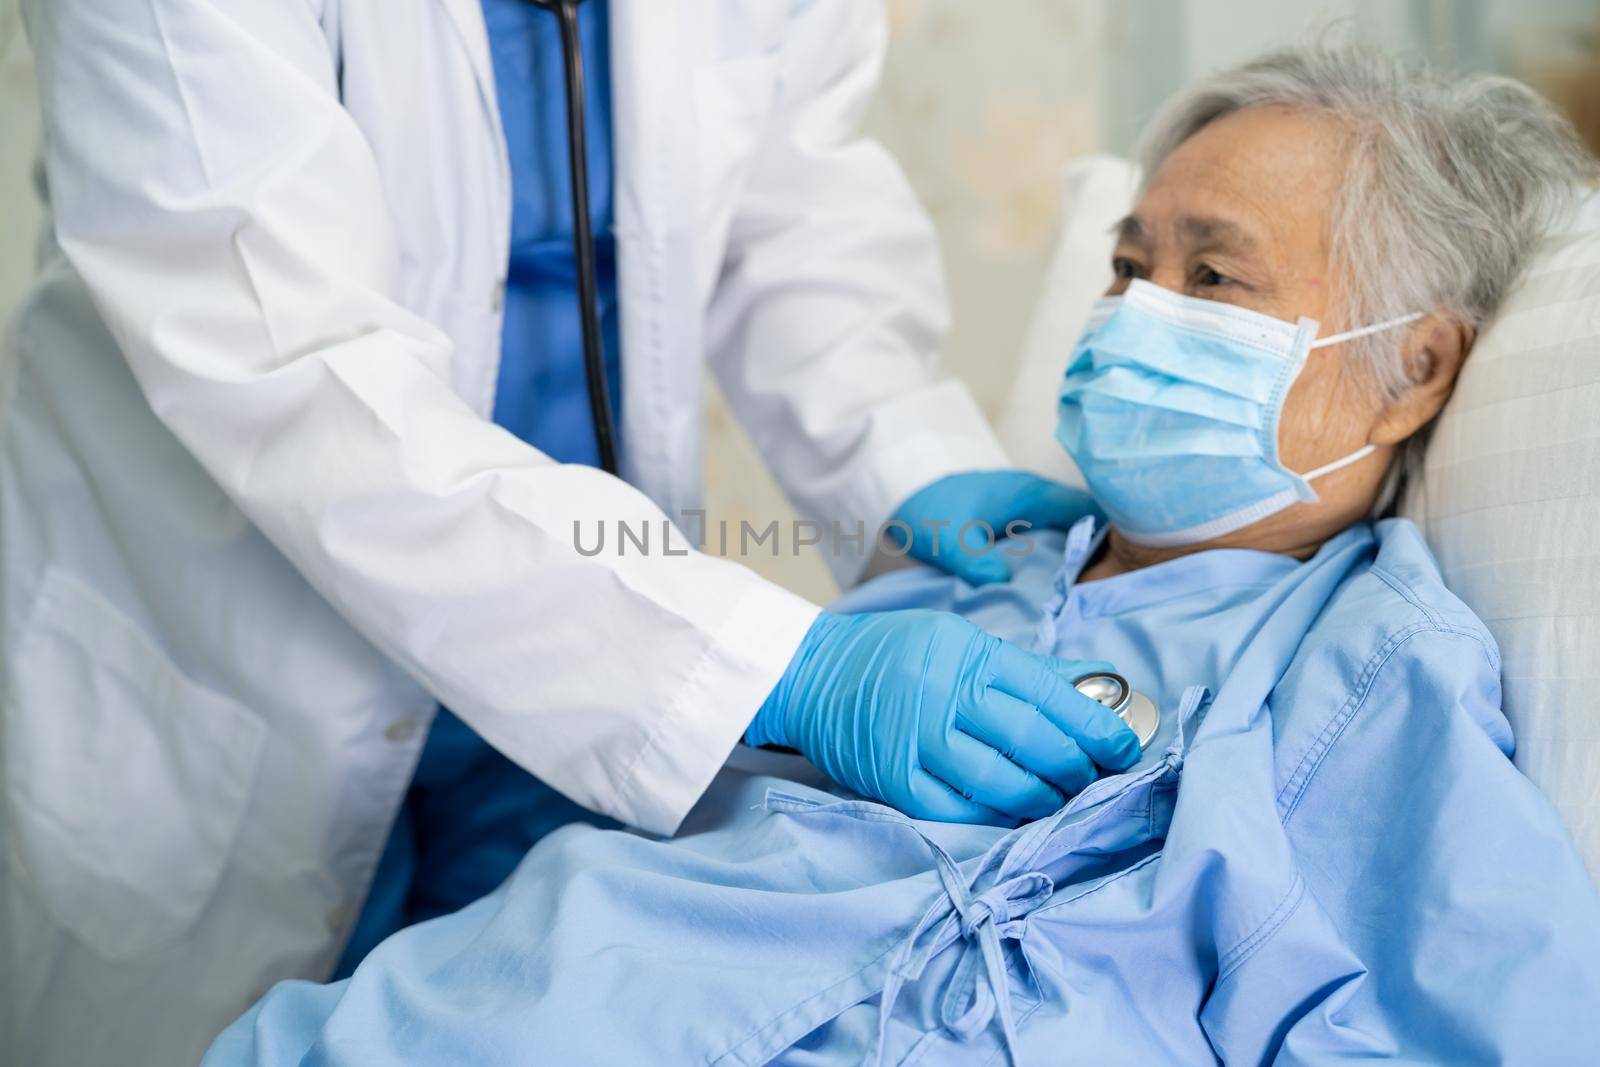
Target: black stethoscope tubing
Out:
[594,357]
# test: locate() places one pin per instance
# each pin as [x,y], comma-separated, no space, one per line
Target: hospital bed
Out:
[1508,494]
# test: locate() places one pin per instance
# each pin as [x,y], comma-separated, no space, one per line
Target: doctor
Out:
[297,438]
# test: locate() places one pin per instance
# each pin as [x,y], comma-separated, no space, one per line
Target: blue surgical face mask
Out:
[1170,409]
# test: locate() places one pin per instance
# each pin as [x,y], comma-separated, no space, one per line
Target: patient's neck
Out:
[1118,555]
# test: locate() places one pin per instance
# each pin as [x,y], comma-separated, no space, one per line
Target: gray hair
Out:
[1450,183]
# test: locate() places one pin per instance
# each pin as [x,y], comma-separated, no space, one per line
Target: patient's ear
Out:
[1435,348]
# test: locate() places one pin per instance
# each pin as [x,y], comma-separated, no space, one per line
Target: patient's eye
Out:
[1126,269]
[1206,278]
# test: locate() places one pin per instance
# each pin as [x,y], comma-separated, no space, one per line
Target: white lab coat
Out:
[255,521]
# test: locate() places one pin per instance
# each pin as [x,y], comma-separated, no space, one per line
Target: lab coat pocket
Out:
[124,781]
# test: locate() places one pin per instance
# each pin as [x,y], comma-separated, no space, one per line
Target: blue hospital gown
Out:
[1324,855]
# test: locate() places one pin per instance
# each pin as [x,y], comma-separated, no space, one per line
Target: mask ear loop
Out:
[1328,468]
[1350,335]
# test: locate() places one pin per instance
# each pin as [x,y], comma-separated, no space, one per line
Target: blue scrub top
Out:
[470,814]
[541,395]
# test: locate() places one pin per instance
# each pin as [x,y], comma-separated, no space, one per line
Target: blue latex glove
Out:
[926,712]
[936,512]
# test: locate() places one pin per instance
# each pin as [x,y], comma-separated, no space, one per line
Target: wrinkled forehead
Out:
[1263,180]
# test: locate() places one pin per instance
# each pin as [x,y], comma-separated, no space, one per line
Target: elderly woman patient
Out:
[1324,853]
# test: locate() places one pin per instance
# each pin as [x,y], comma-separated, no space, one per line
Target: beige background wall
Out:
[19,130]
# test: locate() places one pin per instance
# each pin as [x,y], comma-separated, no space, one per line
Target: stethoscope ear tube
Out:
[594,357]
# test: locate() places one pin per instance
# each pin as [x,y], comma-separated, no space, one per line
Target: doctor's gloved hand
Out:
[937,513]
[926,712]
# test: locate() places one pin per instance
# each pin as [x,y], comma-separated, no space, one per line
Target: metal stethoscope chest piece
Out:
[1132,707]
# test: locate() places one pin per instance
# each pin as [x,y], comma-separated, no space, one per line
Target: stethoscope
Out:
[594,354]
[1131,706]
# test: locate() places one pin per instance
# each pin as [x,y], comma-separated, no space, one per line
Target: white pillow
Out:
[1095,193]
[1510,503]
[1510,495]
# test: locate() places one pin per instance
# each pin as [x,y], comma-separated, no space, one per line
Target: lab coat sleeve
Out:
[227,217]
[825,328]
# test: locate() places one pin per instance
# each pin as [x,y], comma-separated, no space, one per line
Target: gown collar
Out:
[1167,580]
